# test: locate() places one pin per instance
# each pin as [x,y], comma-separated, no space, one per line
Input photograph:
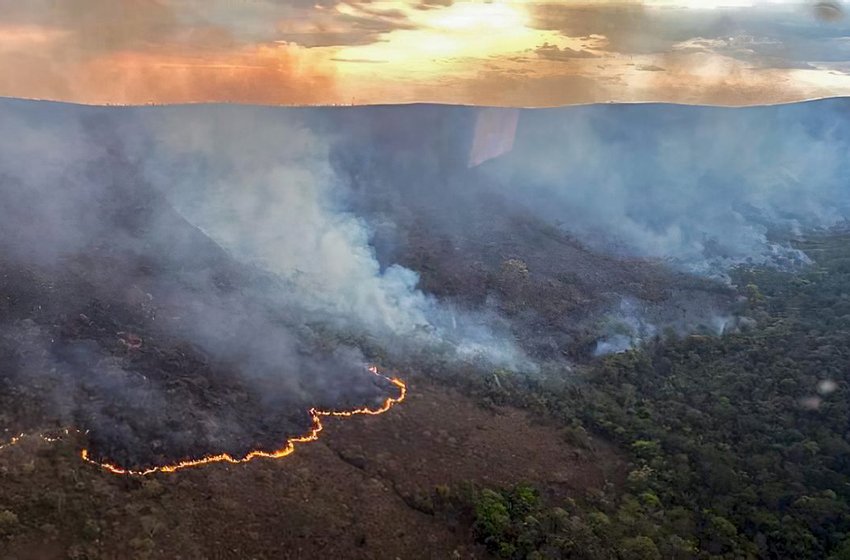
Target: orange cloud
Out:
[518,53]
[263,74]
[21,37]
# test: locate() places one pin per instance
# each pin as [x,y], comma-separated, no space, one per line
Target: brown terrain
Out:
[352,494]
[128,323]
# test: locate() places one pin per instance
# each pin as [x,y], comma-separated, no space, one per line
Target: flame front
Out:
[49,438]
[286,450]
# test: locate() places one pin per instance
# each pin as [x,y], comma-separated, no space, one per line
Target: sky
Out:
[502,53]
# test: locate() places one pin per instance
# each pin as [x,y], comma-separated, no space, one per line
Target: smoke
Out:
[701,189]
[632,323]
[259,182]
[264,191]
[705,188]
[208,273]
[192,278]
[121,318]
[625,327]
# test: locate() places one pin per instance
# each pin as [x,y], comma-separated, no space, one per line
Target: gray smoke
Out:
[260,183]
[632,323]
[256,181]
[319,204]
[704,188]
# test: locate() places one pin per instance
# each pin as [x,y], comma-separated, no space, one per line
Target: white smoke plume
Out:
[703,187]
[259,182]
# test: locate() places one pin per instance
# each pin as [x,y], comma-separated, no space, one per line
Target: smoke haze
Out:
[706,188]
[184,276]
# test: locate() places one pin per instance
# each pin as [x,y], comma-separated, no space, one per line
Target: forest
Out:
[568,398]
[737,444]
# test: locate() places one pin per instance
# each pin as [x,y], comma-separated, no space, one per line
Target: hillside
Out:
[655,371]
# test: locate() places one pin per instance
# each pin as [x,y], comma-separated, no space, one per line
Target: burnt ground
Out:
[106,358]
[356,493]
[134,327]
[125,321]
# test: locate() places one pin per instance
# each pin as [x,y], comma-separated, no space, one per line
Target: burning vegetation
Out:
[287,449]
[284,451]
[200,285]
[125,321]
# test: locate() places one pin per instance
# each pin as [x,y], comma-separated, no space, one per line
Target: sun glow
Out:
[478,16]
[447,40]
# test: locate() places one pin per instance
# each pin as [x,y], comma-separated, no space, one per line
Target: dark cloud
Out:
[365,25]
[552,52]
[629,28]
[102,25]
[766,36]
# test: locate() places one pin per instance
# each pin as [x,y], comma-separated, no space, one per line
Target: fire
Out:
[286,450]
[42,436]
[14,441]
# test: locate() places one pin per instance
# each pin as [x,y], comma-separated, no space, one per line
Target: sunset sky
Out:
[516,53]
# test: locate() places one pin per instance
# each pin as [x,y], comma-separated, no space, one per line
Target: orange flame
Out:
[14,441]
[285,451]
[46,437]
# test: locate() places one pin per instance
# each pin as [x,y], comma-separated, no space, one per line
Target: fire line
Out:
[286,450]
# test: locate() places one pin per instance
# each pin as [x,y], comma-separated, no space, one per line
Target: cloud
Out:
[431,4]
[349,24]
[768,37]
[703,78]
[277,74]
[303,52]
[100,25]
[148,51]
[630,28]
[552,52]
